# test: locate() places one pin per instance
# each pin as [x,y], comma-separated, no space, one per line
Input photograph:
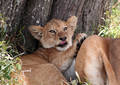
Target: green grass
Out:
[9,65]
[112,23]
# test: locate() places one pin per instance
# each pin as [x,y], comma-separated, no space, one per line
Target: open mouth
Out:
[62,44]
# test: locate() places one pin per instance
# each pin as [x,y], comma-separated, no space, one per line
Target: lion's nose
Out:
[63,38]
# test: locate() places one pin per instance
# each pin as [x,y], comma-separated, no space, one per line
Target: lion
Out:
[98,61]
[47,65]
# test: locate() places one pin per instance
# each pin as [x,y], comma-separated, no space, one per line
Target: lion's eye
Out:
[53,31]
[65,28]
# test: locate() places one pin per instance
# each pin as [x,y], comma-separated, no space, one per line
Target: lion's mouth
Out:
[62,44]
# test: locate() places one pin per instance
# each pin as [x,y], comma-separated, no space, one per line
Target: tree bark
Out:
[12,9]
[38,12]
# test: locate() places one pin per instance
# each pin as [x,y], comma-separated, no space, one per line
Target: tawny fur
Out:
[98,61]
[44,66]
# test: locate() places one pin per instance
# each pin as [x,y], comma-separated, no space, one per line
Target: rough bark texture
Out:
[12,9]
[38,12]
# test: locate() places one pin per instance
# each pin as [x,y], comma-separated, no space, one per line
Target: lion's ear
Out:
[36,31]
[72,21]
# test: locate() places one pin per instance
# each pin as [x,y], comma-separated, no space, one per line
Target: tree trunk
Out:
[38,12]
[12,9]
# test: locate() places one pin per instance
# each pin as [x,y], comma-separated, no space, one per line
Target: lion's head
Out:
[56,33]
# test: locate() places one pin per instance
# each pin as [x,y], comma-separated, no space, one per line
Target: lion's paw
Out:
[80,37]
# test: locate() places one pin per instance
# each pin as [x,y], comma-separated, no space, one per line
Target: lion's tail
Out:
[112,80]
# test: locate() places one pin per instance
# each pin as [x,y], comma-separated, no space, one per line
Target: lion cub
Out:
[45,66]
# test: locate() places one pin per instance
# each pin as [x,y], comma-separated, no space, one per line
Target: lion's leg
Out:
[44,74]
[89,66]
[94,71]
